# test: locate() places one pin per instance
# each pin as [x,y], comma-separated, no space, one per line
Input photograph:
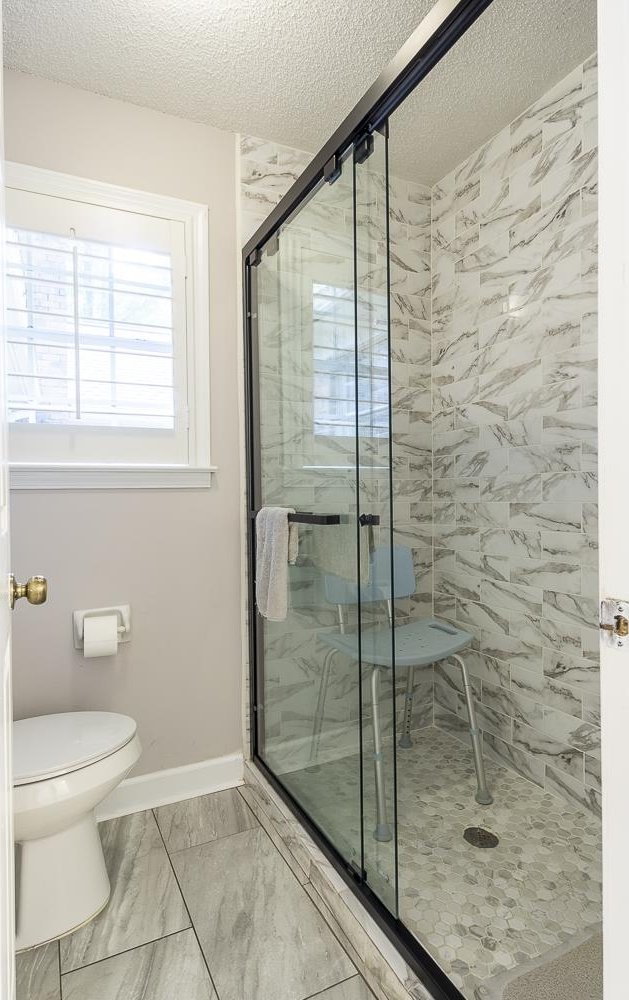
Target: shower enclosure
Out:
[420,316]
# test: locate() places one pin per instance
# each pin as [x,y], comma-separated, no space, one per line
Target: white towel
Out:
[335,550]
[277,544]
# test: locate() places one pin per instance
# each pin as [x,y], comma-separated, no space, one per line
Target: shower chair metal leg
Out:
[405,738]
[383,830]
[317,724]
[483,795]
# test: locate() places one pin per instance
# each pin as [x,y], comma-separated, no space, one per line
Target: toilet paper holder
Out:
[123,612]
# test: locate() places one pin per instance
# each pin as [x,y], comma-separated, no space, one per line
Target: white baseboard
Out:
[146,791]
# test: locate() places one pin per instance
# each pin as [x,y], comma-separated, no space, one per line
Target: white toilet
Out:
[63,767]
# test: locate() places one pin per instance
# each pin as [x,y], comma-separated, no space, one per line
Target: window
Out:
[334,365]
[107,334]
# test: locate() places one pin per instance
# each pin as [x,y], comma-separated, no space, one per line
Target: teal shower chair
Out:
[417,644]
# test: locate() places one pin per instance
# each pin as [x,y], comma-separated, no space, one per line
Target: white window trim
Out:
[198,472]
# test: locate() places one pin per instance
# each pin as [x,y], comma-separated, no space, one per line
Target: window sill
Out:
[109,477]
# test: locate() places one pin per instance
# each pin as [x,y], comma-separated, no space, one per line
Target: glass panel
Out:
[493,257]
[378,717]
[309,679]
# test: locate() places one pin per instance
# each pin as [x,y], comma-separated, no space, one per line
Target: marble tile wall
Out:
[514,269]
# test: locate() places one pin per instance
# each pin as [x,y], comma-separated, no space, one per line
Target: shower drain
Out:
[477,837]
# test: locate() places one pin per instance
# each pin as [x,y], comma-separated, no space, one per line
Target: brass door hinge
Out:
[614,622]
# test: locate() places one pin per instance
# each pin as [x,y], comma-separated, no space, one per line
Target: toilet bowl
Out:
[63,767]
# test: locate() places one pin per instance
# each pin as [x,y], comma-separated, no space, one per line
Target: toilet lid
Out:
[51,745]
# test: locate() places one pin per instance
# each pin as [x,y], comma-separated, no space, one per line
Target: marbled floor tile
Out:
[37,973]
[478,912]
[352,989]
[172,967]
[276,828]
[145,901]
[262,937]
[199,820]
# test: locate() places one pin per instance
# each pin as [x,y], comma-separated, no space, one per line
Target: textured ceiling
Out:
[290,70]
[511,56]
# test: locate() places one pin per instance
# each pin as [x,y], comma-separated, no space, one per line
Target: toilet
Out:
[63,767]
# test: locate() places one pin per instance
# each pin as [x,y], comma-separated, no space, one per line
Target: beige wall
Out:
[174,555]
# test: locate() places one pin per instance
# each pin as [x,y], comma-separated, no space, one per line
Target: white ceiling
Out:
[290,70]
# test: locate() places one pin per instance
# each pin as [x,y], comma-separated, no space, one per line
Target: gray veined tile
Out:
[548,750]
[161,970]
[593,777]
[352,989]
[575,732]
[262,937]
[511,487]
[570,609]
[207,817]
[550,574]
[483,616]
[592,708]
[482,514]
[545,632]
[145,901]
[512,703]
[570,486]
[481,412]
[484,156]
[580,173]
[540,229]
[489,567]
[511,597]
[559,397]
[511,543]
[580,672]
[573,791]
[564,516]
[571,545]
[545,691]
[564,457]
[458,585]
[505,647]
[502,385]
[590,519]
[513,758]
[37,973]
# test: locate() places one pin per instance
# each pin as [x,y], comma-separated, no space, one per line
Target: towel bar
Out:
[308,517]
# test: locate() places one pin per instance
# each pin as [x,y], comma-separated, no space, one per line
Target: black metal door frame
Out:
[446,23]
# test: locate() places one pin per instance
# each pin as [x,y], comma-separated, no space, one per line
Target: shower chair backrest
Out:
[378,588]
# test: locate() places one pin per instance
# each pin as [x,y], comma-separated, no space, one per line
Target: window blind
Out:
[89,333]
[335,384]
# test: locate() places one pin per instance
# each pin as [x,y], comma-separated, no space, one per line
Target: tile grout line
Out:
[218,840]
[214,840]
[313,996]
[59,969]
[194,930]
[294,874]
[125,951]
[332,929]
[260,828]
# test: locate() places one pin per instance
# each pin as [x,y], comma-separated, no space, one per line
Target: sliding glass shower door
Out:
[375,503]
[309,691]
[323,712]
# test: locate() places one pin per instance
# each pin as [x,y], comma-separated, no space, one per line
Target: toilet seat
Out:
[49,746]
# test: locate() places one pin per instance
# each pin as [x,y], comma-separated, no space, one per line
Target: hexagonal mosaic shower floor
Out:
[478,912]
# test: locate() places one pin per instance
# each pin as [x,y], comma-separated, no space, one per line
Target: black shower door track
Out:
[446,23]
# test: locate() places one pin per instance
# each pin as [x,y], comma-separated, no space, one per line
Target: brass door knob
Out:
[35,590]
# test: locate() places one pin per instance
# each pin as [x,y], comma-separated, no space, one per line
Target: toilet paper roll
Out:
[100,636]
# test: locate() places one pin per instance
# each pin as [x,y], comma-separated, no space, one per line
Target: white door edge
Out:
[613,22]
